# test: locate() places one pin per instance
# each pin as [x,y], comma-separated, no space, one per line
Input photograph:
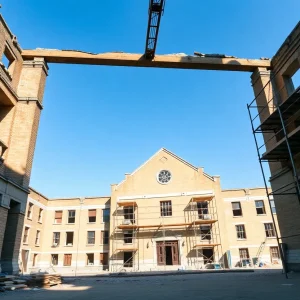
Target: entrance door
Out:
[25,254]
[167,253]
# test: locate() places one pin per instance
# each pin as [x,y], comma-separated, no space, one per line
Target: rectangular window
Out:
[244,253]
[91,238]
[90,259]
[240,232]
[274,251]
[104,237]
[202,208]
[71,216]
[128,236]
[54,259]
[34,260]
[128,259]
[236,209]
[26,233]
[58,217]
[92,215]
[40,216]
[37,237]
[67,259]
[273,208]
[104,259]
[129,214]
[260,207]
[205,232]
[29,212]
[8,59]
[166,208]
[69,238]
[105,215]
[269,229]
[56,238]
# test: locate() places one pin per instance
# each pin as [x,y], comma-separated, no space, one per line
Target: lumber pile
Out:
[44,280]
[11,283]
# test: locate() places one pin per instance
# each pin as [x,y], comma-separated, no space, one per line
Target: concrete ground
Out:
[258,285]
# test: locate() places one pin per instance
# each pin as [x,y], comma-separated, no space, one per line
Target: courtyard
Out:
[261,284]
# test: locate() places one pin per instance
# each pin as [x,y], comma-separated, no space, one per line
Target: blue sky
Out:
[101,122]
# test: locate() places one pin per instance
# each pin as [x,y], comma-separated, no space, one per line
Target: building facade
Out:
[166,215]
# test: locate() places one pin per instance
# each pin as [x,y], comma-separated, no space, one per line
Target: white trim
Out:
[238,199]
[239,223]
[36,203]
[70,252]
[251,246]
[149,196]
[77,207]
[267,222]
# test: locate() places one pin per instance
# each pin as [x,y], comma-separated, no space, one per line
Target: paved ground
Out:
[258,285]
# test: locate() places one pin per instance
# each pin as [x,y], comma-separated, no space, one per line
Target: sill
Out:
[91,265]
[26,244]
[37,245]
[56,223]
[237,216]
[241,239]
[91,222]
[271,237]
[166,216]
[70,223]
[90,245]
[261,215]
[40,222]
[68,245]
[30,219]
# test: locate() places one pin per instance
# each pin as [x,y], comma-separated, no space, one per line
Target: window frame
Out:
[105,218]
[89,217]
[69,244]
[55,218]
[241,231]
[128,239]
[88,256]
[89,239]
[30,211]
[270,230]
[71,217]
[234,209]
[246,251]
[26,234]
[52,259]
[37,238]
[128,263]
[40,217]
[166,209]
[35,255]
[104,257]
[54,238]
[262,208]
[67,258]
[104,238]
[273,207]
[272,252]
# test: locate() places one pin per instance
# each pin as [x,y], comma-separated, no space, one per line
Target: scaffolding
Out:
[141,234]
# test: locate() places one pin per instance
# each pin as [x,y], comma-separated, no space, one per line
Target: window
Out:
[8,59]
[205,232]
[58,217]
[274,251]
[104,259]
[128,236]
[166,208]
[202,208]
[29,212]
[104,237]
[26,233]
[91,238]
[260,207]
[240,232]
[37,237]
[67,259]
[164,176]
[69,238]
[236,209]
[71,216]
[273,208]
[105,215]
[244,253]
[92,215]
[129,214]
[90,259]
[34,260]
[128,259]
[54,259]
[269,229]
[56,238]
[40,216]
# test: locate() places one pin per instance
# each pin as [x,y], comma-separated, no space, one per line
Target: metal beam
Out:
[138,60]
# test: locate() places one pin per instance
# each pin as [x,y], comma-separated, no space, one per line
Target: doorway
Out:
[167,253]
[25,255]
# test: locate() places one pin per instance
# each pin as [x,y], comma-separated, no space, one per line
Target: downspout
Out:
[78,235]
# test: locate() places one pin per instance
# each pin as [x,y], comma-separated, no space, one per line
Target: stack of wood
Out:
[10,283]
[44,280]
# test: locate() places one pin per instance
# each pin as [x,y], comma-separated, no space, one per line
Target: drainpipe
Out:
[78,234]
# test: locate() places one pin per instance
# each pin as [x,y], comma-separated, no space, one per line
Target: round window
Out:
[164,176]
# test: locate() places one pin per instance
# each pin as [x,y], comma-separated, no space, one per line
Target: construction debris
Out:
[214,55]
[44,280]
[10,283]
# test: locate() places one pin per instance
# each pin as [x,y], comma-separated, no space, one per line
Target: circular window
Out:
[164,176]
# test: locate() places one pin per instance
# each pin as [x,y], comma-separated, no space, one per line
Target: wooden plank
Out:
[138,60]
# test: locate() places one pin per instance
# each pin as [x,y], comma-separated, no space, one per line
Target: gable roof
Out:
[171,154]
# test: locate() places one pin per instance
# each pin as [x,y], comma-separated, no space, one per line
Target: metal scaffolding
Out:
[140,231]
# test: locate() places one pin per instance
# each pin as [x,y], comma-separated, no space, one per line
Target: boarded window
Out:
[69,238]
[260,207]
[128,259]
[128,236]
[90,259]
[236,209]
[67,259]
[104,259]
[91,238]
[56,238]
[58,217]
[29,212]
[25,237]
[92,215]
[105,215]
[166,208]
[240,231]
[269,229]
[71,216]
[104,237]
[54,259]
